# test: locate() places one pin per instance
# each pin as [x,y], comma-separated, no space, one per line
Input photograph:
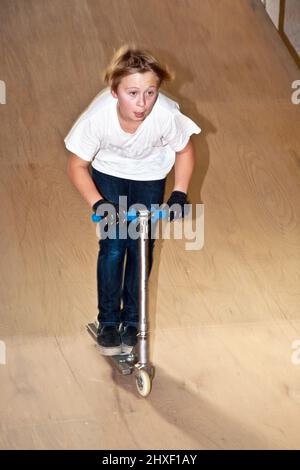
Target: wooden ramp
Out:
[224,319]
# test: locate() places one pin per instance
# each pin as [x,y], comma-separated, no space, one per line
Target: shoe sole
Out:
[127,349]
[109,351]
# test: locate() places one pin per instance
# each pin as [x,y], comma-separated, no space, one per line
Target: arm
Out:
[184,166]
[78,173]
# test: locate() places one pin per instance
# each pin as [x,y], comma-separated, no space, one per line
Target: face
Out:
[136,96]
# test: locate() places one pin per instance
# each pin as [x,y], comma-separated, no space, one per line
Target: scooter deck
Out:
[123,362]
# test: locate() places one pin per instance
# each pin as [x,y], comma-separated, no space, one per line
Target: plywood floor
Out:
[224,319]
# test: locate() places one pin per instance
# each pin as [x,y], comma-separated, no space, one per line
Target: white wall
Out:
[292,23]
[291,19]
[272,7]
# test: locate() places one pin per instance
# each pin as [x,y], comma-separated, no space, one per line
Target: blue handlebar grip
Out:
[96,218]
[131,215]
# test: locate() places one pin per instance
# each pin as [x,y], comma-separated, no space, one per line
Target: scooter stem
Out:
[143,216]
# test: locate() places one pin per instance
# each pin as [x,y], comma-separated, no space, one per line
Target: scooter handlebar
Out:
[132,215]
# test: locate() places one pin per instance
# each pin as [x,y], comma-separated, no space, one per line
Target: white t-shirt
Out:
[148,154]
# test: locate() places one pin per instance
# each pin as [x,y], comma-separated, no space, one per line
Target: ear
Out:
[114,94]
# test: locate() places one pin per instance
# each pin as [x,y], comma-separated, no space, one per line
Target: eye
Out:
[150,92]
[132,93]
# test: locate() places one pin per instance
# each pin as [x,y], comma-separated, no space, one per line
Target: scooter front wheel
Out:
[143,382]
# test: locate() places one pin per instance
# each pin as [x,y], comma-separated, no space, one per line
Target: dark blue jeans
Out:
[112,288]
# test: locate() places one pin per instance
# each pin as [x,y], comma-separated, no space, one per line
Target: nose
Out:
[141,101]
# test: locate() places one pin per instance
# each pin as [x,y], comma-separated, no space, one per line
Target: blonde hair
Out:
[128,59]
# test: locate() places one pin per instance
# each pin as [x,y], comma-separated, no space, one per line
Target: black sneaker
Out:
[128,338]
[109,341]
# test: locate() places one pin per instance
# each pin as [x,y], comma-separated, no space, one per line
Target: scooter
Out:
[138,360]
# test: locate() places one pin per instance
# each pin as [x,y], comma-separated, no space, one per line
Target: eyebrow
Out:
[137,88]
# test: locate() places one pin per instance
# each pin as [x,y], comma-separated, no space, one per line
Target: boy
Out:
[133,135]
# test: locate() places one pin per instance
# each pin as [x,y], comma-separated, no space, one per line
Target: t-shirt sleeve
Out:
[83,139]
[178,131]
